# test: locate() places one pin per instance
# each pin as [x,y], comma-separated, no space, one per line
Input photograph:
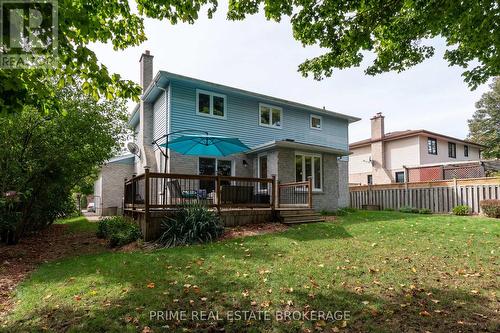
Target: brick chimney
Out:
[379,173]
[377,126]
[146,62]
[146,116]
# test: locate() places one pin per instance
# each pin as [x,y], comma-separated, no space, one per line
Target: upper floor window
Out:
[316,122]
[452,150]
[400,177]
[270,116]
[432,146]
[466,151]
[210,104]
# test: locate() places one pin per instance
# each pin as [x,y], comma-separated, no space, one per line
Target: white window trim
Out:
[271,115]
[211,94]
[258,171]
[258,165]
[320,189]
[320,122]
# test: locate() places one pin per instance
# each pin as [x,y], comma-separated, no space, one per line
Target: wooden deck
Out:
[150,196]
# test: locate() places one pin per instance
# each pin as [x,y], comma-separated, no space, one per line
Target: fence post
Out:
[407,197]
[455,193]
[309,193]
[218,192]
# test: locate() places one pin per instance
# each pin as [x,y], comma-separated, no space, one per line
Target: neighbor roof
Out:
[162,78]
[406,134]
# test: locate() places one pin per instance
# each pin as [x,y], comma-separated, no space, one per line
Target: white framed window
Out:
[214,167]
[270,116]
[309,165]
[211,104]
[316,122]
[262,170]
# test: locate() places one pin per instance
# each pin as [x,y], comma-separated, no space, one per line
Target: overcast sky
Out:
[262,56]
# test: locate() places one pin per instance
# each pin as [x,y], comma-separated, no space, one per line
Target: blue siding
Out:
[243,120]
[160,119]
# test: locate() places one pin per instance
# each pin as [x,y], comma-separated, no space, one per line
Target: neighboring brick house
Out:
[411,155]
[289,140]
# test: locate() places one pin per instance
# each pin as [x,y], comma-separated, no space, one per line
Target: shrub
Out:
[408,209]
[461,210]
[388,209]
[490,208]
[118,230]
[425,211]
[192,224]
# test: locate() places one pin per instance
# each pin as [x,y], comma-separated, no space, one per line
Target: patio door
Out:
[213,167]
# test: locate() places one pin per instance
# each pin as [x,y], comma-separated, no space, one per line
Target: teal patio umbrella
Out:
[206,145]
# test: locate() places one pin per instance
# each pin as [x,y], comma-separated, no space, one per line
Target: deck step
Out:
[299,216]
[304,221]
[296,212]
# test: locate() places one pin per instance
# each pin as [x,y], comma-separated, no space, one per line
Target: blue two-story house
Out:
[290,140]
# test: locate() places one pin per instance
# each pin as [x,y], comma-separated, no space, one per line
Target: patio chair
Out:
[177,193]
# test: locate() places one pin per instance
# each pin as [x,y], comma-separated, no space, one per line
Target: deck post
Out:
[309,192]
[273,193]
[218,192]
[277,193]
[133,191]
[124,195]
[146,196]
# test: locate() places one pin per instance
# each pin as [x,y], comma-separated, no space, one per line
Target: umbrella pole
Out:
[165,154]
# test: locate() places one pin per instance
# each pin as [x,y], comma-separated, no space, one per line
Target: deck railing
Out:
[297,194]
[156,191]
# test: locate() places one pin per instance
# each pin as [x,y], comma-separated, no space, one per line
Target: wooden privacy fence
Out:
[438,196]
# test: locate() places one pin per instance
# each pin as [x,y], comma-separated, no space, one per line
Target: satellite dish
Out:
[134,149]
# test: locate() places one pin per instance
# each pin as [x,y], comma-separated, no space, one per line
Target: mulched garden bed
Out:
[253,230]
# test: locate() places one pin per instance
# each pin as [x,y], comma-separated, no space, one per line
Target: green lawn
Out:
[391,271]
[78,224]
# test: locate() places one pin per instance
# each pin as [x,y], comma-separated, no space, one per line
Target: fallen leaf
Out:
[425,313]
[151,285]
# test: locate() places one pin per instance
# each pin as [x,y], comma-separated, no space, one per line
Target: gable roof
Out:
[409,133]
[163,78]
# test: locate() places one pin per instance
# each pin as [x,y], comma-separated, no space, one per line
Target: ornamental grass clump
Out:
[192,224]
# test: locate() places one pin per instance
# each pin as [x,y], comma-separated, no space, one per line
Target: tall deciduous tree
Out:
[45,156]
[484,127]
[396,30]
